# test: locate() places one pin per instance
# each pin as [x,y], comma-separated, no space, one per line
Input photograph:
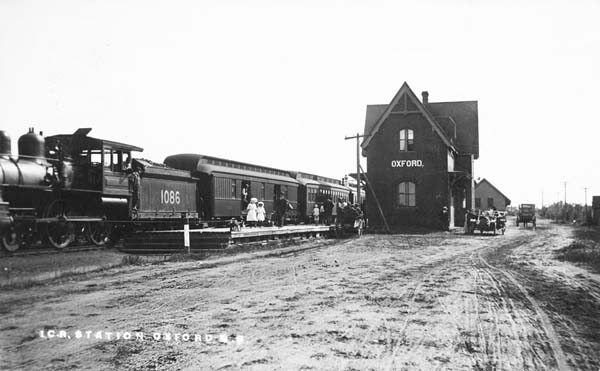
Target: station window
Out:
[477,202]
[490,202]
[406,194]
[407,140]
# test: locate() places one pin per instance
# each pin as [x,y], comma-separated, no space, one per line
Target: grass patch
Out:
[132,260]
[27,271]
[586,252]
[590,234]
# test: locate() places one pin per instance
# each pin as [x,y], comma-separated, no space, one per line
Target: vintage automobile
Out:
[484,221]
[526,214]
[487,222]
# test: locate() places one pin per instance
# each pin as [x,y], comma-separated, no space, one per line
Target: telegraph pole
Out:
[565,184]
[586,215]
[357,137]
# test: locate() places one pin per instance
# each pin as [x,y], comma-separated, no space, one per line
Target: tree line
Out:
[566,213]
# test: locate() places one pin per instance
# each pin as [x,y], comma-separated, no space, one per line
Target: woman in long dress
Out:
[251,217]
[260,213]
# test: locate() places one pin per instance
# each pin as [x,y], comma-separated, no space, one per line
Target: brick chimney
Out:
[425,96]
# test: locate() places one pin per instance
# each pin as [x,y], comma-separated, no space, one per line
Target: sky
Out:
[282,83]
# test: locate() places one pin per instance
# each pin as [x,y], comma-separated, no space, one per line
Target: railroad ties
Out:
[206,239]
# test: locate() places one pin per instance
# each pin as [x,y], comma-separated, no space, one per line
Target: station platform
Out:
[169,241]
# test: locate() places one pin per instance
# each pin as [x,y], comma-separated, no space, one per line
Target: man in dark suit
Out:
[281,207]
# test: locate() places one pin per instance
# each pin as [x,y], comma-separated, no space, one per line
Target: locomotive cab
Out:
[99,165]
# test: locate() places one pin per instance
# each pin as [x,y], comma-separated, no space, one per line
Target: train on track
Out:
[61,188]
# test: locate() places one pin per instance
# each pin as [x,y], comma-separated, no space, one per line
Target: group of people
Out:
[349,214]
[256,213]
[321,214]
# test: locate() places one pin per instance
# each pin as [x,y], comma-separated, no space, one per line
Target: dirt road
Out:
[435,302]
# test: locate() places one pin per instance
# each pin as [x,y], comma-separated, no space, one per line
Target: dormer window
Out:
[407,140]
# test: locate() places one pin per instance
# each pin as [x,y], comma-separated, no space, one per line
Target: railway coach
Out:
[225,187]
[316,189]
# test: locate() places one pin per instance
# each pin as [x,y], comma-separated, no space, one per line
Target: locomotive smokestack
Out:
[5,148]
[425,96]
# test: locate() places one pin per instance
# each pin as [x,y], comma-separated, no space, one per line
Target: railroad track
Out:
[171,242]
[45,250]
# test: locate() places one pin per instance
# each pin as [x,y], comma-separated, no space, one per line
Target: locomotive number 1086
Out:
[169,197]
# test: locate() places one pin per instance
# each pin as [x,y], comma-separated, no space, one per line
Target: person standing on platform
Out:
[251,217]
[315,214]
[282,206]
[328,210]
[322,214]
[260,214]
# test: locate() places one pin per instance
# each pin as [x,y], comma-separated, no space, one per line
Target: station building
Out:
[488,196]
[420,158]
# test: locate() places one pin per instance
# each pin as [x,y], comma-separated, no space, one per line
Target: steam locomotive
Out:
[64,188]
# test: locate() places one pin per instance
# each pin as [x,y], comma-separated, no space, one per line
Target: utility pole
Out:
[542,199]
[357,137]
[586,215]
[565,184]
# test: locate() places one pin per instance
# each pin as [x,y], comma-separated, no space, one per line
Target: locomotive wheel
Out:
[11,240]
[99,233]
[60,233]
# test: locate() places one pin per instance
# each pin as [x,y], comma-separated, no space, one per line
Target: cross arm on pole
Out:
[355,136]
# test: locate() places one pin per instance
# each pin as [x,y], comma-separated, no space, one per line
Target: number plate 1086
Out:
[169,197]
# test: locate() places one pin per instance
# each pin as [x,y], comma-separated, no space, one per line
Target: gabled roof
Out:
[405,89]
[466,117]
[477,184]
[455,122]
[374,112]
